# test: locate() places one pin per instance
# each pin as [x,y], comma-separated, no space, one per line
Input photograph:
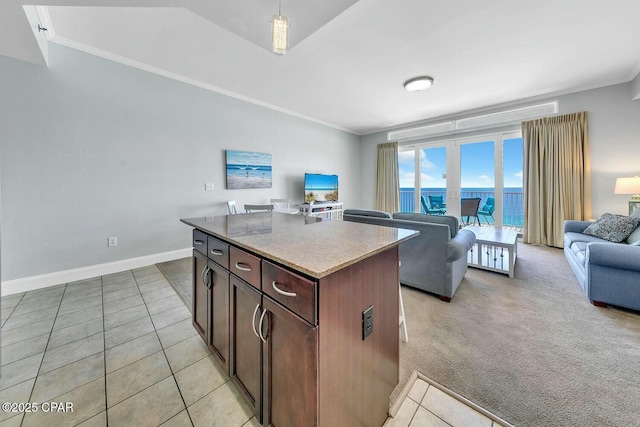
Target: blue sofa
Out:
[436,260]
[609,273]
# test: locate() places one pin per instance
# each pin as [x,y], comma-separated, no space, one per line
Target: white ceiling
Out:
[349,58]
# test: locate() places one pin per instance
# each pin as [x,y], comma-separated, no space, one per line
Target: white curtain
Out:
[557,184]
[387,178]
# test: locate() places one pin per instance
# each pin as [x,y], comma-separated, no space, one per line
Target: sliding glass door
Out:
[487,167]
[513,199]
[433,177]
[477,172]
[430,178]
[407,176]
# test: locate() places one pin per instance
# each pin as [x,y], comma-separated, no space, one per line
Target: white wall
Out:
[614,128]
[91,149]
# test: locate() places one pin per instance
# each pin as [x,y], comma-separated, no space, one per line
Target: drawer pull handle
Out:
[216,252]
[253,320]
[203,275]
[281,292]
[264,340]
[239,266]
[209,278]
[198,242]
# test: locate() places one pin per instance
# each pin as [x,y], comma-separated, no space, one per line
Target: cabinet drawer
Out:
[218,251]
[245,266]
[200,241]
[294,292]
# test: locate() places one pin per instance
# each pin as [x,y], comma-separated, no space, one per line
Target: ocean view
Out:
[248,176]
[248,169]
[512,201]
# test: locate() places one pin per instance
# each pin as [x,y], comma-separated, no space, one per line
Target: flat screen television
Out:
[320,188]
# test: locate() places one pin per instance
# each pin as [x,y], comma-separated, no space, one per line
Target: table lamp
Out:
[629,185]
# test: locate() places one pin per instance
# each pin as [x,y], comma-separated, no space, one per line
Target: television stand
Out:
[324,210]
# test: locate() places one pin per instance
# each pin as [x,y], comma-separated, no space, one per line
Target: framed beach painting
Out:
[248,169]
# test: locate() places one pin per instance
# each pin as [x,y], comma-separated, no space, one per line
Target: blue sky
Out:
[320,182]
[477,165]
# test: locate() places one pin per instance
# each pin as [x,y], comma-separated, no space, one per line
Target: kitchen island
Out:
[302,313]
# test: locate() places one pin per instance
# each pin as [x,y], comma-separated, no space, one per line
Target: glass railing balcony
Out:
[512,202]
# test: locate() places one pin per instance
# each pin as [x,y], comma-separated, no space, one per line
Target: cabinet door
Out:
[219,309]
[200,295]
[290,368]
[246,351]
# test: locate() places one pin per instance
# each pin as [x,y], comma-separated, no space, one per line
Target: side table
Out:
[496,249]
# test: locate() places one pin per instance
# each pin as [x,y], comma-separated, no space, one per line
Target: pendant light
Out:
[279,32]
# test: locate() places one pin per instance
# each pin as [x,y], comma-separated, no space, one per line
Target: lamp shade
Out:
[629,185]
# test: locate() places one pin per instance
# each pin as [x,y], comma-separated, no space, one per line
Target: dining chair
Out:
[487,209]
[280,203]
[469,208]
[258,208]
[231,205]
[284,206]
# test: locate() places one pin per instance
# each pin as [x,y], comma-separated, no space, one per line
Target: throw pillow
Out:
[611,227]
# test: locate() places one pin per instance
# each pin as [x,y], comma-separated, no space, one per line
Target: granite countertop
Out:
[306,244]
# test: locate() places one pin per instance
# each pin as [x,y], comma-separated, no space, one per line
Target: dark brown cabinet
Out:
[200,294]
[210,297]
[289,369]
[274,357]
[246,349]
[290,348]
[219,313]
[292,342]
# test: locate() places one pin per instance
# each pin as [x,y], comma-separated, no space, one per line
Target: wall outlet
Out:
[208,186]
[367,323]
[112,241]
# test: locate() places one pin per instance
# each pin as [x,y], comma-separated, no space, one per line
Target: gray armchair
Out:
[436,260]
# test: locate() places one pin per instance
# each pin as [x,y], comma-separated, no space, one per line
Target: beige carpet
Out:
[532,349]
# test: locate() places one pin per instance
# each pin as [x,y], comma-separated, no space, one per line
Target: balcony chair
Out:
[469,208]
[437,202]
[430,211]
[487,210]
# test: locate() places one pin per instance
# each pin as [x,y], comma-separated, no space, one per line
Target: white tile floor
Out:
[122,349]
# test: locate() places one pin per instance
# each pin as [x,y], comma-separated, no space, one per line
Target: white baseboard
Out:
[395,406]
[51,279]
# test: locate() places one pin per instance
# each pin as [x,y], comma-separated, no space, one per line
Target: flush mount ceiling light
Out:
[279,32]
[418,83]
